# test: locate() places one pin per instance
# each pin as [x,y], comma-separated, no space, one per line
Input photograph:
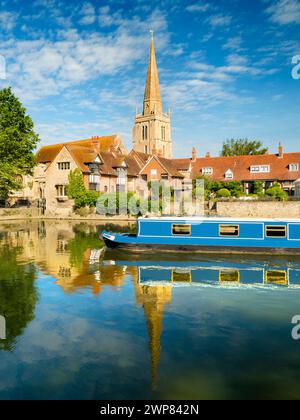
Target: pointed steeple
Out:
[152,98]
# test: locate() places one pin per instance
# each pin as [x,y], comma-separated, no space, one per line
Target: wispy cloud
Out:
[8,20]
[220,20]
[284,11]
[88,14]
[198,7]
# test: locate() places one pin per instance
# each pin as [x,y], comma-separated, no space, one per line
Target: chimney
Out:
[154,151]
[96,144]
[280,150]
[194,154]
[207,155]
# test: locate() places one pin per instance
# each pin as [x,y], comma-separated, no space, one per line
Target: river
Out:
[78,322]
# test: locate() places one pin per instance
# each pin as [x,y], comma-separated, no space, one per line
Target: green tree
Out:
[240,147]
[18,141]
[78,192]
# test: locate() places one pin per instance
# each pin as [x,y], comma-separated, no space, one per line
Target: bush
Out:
[277,192]
[77,191]
[223,193]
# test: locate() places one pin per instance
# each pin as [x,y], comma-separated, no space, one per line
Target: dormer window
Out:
[259,169]
[294,167]
[229,174]
[207,171]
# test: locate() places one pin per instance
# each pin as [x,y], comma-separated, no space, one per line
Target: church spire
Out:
[152,98]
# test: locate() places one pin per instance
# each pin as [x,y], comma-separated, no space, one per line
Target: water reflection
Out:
[165,290]
[18,294]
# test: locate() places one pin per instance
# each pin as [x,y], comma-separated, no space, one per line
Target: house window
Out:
[153,172]
[146,150]
[229,230]
[294,167]
[62,166]
[276,231]
[229,174]
[260,169]
[121,176]
[181,230]
[61,191]
[207,171]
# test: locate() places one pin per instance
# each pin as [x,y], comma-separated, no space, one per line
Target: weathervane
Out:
[152,33]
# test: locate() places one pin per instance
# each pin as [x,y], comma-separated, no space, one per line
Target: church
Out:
[152,129]
[108,167]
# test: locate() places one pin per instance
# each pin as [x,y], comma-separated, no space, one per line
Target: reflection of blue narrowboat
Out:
[211,235]
[227,274]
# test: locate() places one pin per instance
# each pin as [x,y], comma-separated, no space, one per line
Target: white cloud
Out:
[198,7]
[46,67]
[284,11]
[220,20]
[233,43]
[88,14]
[8,20]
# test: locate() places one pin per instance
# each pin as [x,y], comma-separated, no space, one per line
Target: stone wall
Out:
[18,213]
[264,209]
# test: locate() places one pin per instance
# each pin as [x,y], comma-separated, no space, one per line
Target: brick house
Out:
[103,161]
[281,167]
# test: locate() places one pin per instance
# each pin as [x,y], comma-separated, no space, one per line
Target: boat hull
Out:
[138,248]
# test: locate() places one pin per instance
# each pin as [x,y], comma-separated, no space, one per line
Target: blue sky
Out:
[225,67]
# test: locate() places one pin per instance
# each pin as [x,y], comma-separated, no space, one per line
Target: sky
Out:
[225,68]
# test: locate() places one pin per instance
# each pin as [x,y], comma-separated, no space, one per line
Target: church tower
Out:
[152,128]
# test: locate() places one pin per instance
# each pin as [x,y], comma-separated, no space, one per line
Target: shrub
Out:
[77,191]
[277,192]
[223,193]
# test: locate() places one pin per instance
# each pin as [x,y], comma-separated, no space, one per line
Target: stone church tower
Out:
[152,129]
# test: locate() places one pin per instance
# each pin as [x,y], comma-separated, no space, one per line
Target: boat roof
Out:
[216,219]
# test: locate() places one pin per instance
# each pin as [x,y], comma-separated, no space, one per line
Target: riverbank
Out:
[33,214]
[234,209]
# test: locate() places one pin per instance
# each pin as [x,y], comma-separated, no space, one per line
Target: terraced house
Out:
[280,167]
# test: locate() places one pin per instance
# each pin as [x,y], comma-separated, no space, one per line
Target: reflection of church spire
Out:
[153,300]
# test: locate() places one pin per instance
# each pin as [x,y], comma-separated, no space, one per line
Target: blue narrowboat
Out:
[211,235]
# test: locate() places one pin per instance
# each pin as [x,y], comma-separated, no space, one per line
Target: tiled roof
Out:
[170,167]
[240,166]
[97,144]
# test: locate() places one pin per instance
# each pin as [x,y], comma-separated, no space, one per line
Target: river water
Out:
[80,323]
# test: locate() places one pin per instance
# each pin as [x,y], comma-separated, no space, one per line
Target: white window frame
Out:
[207,171]
[294,167]
[265,169]
[229,174]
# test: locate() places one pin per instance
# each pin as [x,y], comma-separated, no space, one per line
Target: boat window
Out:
[276,277]
[276,231]
[181,277]
[181,229]
[229,230]
[229,276]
